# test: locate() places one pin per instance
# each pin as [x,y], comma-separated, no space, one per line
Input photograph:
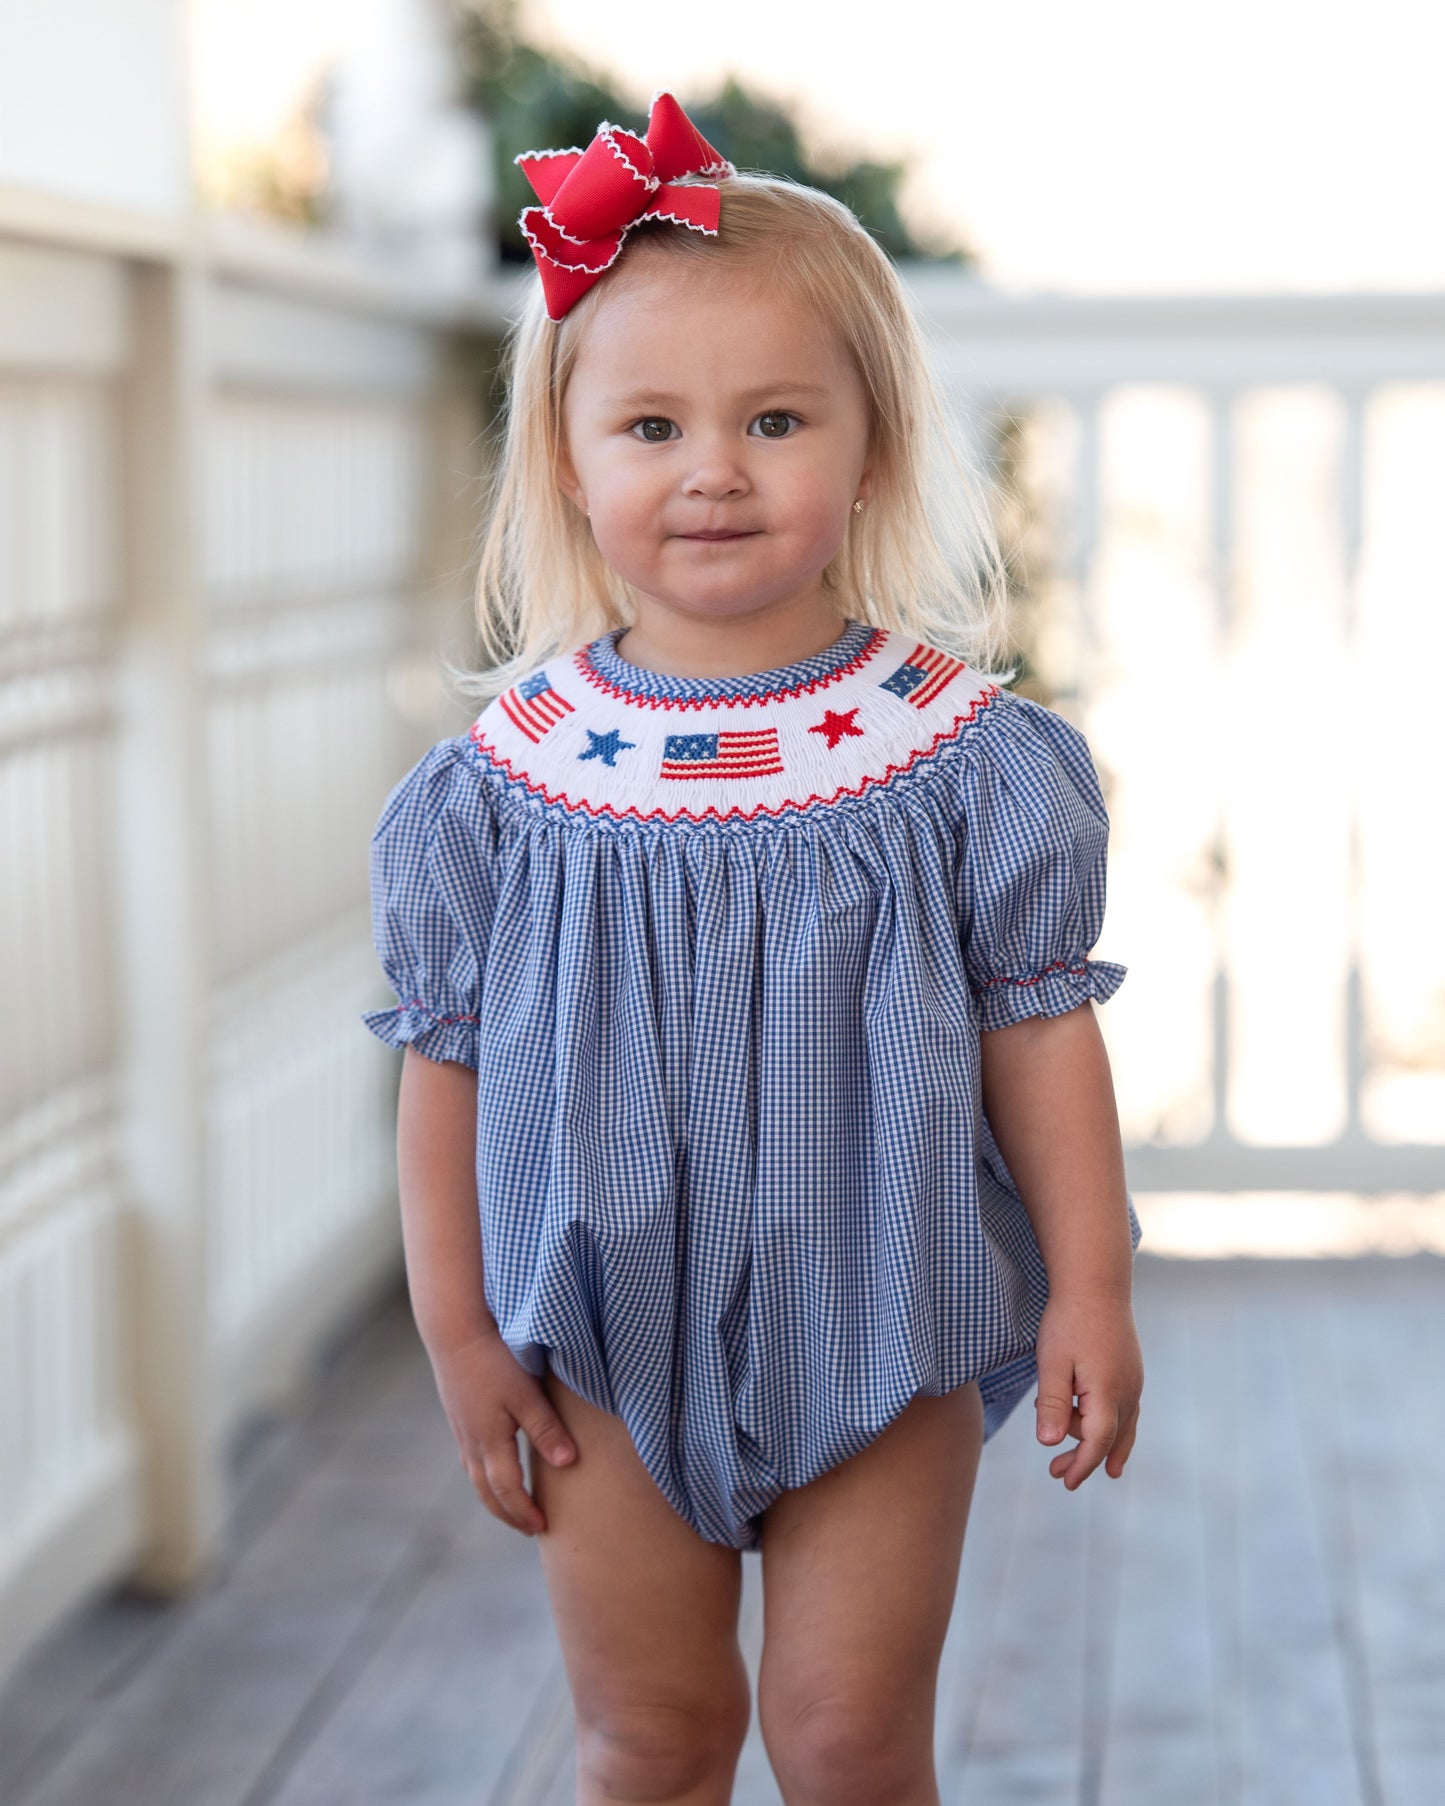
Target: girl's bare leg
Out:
[647,1616]
[860,1569]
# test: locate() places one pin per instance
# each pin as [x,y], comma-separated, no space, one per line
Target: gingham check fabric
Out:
[734,1178]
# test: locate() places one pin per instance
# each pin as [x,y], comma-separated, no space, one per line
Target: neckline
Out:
[604,664]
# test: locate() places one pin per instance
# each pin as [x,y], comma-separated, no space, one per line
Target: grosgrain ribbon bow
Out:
[591,199]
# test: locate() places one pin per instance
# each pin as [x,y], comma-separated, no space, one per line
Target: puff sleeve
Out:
[419,905]
[1033,869]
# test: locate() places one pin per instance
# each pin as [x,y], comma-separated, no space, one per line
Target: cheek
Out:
[827,528]
[623,524]
[816,503]
[819,487]
[627,495]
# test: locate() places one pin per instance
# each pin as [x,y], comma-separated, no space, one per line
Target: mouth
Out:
[717,536]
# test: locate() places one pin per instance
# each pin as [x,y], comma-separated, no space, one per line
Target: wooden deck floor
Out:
[1255,1613]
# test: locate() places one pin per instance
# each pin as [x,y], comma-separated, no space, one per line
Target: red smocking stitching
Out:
[1057,966]
[417,1004]
[502,763]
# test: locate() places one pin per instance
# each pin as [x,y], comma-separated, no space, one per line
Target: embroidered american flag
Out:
[741,753]
[534,706]
[923,675]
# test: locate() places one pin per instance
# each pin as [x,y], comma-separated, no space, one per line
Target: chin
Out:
[718,588]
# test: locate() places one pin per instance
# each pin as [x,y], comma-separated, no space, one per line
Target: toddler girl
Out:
[758,1150]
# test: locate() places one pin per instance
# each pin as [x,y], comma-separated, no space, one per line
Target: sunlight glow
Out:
[1289,1225]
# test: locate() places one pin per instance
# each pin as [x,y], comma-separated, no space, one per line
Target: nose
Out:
[716,471]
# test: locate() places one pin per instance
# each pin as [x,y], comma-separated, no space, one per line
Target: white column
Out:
[163,952]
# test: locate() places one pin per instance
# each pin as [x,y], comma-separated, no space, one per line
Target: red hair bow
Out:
[591,199]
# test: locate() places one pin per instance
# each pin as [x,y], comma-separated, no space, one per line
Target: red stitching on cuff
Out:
[1058,965]
[417,1004]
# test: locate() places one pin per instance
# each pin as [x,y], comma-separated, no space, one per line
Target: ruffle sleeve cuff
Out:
[1034,867]
[1052,992]
[428,893]
[438,1037]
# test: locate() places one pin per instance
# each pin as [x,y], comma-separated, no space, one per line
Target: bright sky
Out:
[1122,145]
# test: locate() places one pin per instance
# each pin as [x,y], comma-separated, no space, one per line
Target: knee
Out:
[661,1751]
[839,1748]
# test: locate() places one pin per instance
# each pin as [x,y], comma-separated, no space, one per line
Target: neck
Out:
[679,644]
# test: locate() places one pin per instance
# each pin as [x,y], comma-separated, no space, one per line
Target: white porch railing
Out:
[1240,593]
[236,503]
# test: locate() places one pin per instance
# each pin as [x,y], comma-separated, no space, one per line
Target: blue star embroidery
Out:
[605,746]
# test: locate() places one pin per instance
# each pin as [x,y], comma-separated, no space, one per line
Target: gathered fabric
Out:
[721,952]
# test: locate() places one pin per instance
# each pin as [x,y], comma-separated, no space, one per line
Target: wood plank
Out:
[68,1677]
[1026,1740]
[66,1683]
[456,1695]
[204,1722]
[1160,1736]
[1293,1703]
[205,1717]
[1364,1402]
[1207,1306]
[1011,1459]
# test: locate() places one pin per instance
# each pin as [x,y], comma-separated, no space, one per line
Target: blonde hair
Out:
[922,558]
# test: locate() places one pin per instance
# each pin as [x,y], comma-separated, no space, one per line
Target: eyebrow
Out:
[636,398]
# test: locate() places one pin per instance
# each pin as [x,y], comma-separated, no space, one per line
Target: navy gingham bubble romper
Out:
[720,951]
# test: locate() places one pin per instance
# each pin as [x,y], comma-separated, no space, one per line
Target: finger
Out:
[1074,1427]
[512,1492]
[1064,1459]
[1063,1462]
[1119,1454]
[1099,1437]
[1055,1399]
[545,1432]
[503,1468]
[484,1492]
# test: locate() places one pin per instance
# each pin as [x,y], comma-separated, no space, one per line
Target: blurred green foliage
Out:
[536,100]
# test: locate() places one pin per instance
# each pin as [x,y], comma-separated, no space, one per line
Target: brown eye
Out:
[660,436]
[775,425]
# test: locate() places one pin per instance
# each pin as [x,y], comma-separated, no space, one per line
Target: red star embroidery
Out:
[835,725]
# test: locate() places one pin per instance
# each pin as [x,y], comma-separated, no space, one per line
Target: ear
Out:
[567,479]
[864,491]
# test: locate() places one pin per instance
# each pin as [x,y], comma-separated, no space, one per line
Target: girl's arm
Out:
[436,1140]
[1049,1098]
[485,1391]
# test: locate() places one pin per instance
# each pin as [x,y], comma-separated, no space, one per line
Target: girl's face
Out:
[702,404]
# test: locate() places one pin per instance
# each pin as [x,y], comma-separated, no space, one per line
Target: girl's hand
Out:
[488,1396]
[1088,1345]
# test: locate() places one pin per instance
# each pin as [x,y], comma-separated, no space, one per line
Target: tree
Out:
[533,100]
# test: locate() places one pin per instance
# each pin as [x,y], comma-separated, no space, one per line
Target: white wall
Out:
[92,101]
